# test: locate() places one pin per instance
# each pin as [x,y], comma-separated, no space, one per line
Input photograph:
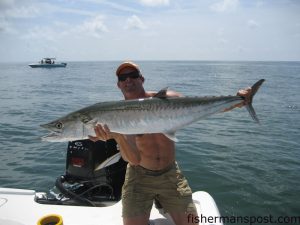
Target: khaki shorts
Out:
[168,186]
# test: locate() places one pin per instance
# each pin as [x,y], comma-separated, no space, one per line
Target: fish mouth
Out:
[52,137]
[46,126]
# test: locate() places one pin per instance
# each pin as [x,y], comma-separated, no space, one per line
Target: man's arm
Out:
[128,148]
[171,93]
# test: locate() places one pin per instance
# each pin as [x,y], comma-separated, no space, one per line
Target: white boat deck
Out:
[17,207]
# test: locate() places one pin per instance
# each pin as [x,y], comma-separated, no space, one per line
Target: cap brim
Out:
[127,65]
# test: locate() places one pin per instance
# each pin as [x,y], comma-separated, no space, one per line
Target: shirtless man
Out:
[152,172]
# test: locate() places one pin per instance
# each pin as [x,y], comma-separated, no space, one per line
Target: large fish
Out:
[159,114]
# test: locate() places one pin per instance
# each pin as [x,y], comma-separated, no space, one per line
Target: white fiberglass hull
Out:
[39,65]
[17,207]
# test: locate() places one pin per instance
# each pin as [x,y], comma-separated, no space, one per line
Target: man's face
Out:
[129,80]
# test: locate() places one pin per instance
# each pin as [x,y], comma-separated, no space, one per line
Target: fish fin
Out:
[249,106]
[252,112]
[91,123]
[162,93]
[256,86]
[171,136]
[111,160]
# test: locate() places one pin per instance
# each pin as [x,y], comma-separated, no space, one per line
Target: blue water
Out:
[249,169]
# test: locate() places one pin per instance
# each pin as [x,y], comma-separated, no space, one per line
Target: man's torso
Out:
[156,150]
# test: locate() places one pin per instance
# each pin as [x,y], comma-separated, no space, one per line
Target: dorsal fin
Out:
[162,93]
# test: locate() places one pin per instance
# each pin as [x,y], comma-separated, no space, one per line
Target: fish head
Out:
[64,129]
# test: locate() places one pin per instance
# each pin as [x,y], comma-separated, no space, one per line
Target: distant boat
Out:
[47,63]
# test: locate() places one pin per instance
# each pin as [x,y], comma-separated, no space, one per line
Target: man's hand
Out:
[246,93]
[102,133]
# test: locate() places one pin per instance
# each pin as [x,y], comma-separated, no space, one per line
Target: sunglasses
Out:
[132,75]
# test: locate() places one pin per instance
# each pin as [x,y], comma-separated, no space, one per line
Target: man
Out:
[152,172]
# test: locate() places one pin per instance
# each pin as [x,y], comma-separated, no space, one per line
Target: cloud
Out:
[3,26]
[22,12]
[134,22]
[118,6]
[6,27]
[40,33]
[252,24]
[155,2]
[93,27]
[225,6]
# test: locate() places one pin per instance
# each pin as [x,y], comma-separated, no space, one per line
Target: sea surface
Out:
[249,169]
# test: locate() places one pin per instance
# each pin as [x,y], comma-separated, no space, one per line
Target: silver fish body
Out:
[140,116]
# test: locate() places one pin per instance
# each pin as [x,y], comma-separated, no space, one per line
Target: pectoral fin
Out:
[111,160]
[89,124]
[171,136]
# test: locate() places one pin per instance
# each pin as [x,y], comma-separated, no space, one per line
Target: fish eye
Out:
[59,125]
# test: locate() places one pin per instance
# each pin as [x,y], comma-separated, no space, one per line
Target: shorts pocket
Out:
[180,183]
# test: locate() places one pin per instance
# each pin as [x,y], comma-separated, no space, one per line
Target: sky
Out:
[100,30]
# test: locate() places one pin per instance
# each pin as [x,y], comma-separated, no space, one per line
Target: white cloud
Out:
[6,27]
[22,12]
[119,7]
[93,27]
[225,6]
[40,33]
[134,22]
[155,2]
[252,24]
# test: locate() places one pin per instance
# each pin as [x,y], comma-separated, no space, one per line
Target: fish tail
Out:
[249,106]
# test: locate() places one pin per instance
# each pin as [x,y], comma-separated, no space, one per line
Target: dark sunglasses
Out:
[132,75]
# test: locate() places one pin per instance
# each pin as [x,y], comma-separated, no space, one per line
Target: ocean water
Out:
[249,169]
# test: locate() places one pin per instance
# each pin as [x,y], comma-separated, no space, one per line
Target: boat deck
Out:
[17,207]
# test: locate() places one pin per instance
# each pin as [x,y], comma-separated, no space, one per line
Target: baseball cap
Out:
[127,64]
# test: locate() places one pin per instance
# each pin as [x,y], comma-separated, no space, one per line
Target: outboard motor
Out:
[95,174]
[83,156]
